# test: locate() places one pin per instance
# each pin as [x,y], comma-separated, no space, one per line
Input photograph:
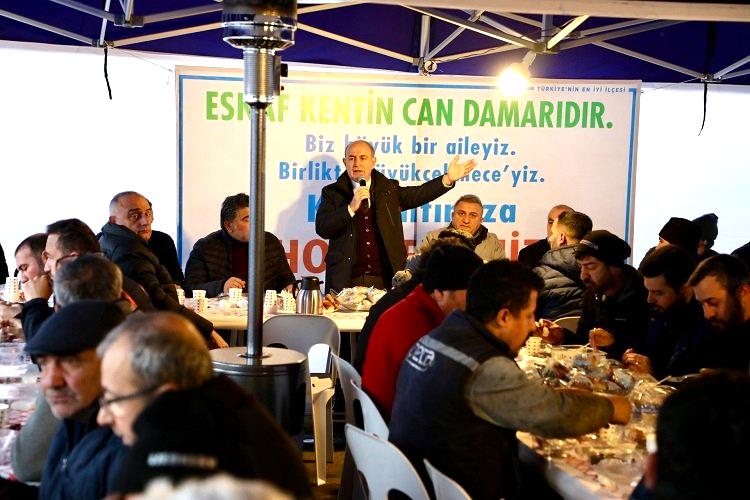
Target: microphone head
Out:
[362,181]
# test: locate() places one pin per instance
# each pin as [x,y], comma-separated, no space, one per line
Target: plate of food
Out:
[359,298]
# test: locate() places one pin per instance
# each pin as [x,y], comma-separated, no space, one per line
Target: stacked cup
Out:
[12,289]
[201,302]
[534,346]
[269,302]
[181,296]
[235,295]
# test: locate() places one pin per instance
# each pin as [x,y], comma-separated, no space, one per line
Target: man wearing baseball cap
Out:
[615,307]
[442,291]
[83,456]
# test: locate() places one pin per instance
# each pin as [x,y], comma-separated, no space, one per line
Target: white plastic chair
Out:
[568,322]
[383,466]
[374,421]
[445,487]
[348,376]
[304,333]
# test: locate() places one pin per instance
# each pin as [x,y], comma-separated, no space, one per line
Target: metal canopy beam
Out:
[736,74]
[476,15]
[178,14]
[617,34]
[732,67]
[502,27]
[565,31]
[356,43]
[103,29]
[166,34]
[47,27]
[490,32]
[86,9]
[649,59]
[616,26]
[477,53]
[327,6]
[626,9]
[424,37]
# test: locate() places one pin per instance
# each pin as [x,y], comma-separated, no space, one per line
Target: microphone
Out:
[365,202]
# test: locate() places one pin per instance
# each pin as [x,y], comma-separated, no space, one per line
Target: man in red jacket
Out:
[442,290]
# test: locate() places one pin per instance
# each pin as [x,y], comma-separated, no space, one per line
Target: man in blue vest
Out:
[460,397]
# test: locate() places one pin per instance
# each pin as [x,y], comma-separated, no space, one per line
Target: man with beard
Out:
[563,289]
[722,287]
[615,311]
[467,215]
[677,330]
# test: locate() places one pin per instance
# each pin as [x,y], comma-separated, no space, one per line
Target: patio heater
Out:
[276,376]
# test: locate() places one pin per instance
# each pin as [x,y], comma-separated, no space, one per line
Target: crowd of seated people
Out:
[129,393]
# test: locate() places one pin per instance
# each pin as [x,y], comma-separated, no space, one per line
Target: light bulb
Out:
[514,80]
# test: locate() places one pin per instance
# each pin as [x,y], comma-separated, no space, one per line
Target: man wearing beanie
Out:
[615,307]
[443,289]
[709,225]
[83,456]
[680,232]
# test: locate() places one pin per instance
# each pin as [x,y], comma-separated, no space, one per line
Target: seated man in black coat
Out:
[162,398]
[218,261]
[122,240]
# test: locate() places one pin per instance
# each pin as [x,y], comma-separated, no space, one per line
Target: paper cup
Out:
[269,302]
[202,304]
[235,294]
[181,296]
[199,294]
[3,411]
[534,345]
[12,291]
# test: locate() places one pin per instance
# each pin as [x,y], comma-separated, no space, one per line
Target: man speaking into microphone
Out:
[360,215]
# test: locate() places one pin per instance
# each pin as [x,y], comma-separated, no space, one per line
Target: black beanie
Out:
[605,246]
[450,267]
[683,233]
[77,327]
[709,224]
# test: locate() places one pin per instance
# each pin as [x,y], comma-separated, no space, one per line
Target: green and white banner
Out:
[571,142]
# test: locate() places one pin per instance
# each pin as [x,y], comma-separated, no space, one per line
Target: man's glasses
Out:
[113,404]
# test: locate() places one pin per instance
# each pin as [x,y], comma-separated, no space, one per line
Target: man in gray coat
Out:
[467,215]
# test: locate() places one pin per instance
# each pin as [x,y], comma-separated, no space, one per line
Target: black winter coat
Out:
[126,249]
[624,316]
[210,264]
[563,288]
[388,200]
[218,421]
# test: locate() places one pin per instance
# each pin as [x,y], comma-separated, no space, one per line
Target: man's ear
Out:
[686,291]
[502,317]
[165,387]
[651,471]
[112,219]
[562,240]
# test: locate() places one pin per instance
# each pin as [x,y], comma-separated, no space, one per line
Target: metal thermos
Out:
[309,298]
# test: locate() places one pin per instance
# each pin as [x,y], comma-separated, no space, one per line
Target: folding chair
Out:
[445,487]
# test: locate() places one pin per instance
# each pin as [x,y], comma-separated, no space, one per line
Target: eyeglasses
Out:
[113,404]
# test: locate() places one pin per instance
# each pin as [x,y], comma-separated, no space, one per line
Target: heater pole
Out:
[256,246]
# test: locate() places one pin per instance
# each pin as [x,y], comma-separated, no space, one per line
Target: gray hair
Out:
[469,198]
[165,348]
[115,202]
[89,276]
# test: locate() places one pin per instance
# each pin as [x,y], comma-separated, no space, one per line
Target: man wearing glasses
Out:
[467,215]
[161,397]
[123,240]
[83,456]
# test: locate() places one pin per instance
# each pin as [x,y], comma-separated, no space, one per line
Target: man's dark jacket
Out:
[128,250]
[388,199]
[220,421]
[563,289]
[162,245]
[678,341]
[83,460]
[532,254]
[624,316]
[210,264]
[436,422]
